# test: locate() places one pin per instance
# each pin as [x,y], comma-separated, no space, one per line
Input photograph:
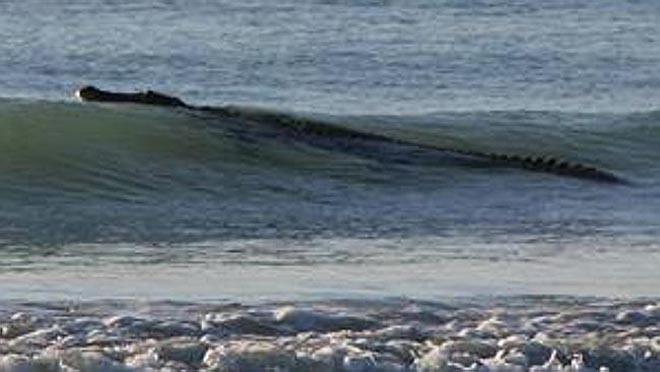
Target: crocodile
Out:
[296,125]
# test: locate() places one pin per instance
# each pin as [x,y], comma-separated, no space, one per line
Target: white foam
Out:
[321,338]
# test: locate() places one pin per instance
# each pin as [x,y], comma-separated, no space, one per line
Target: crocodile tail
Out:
[553,165]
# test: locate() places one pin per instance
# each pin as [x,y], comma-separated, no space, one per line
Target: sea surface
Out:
[333,157]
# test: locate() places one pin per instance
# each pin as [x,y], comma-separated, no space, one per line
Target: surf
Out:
[55,139]
[130,173]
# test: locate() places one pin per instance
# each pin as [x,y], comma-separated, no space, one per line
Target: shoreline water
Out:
[276,276]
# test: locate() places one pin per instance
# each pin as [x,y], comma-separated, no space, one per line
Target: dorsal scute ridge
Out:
[548,164]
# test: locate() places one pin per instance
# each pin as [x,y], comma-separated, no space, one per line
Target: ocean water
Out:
[343,152]
[144,189]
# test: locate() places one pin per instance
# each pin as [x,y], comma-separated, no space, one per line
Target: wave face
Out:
[74,173]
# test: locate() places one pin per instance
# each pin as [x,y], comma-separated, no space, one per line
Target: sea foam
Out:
[503,335]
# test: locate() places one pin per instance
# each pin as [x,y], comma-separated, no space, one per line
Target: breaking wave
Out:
[102,168]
